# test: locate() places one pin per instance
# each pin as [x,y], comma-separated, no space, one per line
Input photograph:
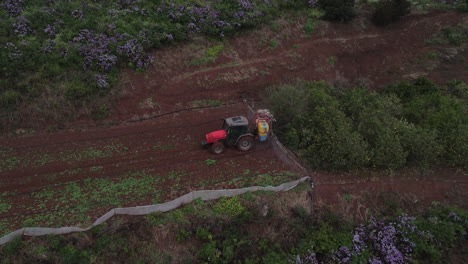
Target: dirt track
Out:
[344,54]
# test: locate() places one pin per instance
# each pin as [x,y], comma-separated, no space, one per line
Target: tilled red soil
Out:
[341,54]
[167,148]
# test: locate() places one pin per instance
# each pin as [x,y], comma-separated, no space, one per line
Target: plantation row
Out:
[221,232]
[406,124]
[75,48]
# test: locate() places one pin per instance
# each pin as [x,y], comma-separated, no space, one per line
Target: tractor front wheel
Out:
[245,143]
[217,148]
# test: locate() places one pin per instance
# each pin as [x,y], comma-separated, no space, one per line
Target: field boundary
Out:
[147,209]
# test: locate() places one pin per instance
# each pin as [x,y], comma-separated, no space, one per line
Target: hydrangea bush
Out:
[401,240]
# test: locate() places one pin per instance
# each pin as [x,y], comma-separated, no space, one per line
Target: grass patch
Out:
[450,35]
[206,102]
[209,56]
[310,25]
[8,162]
[431,55]
[209,162]
[273,44]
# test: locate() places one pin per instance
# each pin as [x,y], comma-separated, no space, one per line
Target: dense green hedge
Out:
[407,124]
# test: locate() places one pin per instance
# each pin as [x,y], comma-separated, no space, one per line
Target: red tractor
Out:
[236,133]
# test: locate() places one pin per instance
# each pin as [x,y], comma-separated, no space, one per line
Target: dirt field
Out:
[80,175]
[72,176]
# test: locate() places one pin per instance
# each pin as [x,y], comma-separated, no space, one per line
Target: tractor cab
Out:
[235,127]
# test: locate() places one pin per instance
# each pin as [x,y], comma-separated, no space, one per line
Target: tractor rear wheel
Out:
[217,148]
[245,143]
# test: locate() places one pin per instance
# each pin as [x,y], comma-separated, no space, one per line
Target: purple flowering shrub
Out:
[133,50]
[13,7]
[96,50]
[400,240]
[21,26]
[381,242]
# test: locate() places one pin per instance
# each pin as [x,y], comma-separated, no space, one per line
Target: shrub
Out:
[323,240]
[229,206]
[440,229]
[409,123]
[338,10]
[455,35]
[13,247]
[100,113]
[436,117]
[406,91]
[435,111]
[388,152]
[372,114]
[78,90]
[287,101]
[74,255]
[456,146]
[9,97]
[203,234]
[462,7]
[327,140]
[300,212]
[421,144]
[389,11]
[458,89]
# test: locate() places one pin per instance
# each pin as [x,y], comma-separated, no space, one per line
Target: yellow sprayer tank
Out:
[263,128]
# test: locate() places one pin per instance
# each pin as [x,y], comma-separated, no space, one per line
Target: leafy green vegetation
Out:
[206,102]
[229,206]
[451,35]
[390,11]
[233,230]
[430,4]
[273,44]
[209,162]
[4,207]
[338,10]
[209,55]
[74,203]
[407,124]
